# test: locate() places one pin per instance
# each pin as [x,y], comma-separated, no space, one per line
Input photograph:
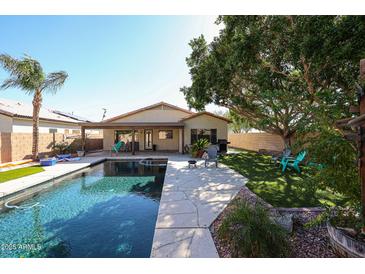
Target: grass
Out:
[281,190]
[18,173]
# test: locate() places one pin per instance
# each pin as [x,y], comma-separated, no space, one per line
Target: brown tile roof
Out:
[206,113]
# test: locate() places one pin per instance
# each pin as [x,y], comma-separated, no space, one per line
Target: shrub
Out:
[343,218]
[251,233]
[337,157]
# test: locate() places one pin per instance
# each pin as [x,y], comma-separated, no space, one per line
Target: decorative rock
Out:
[285,221]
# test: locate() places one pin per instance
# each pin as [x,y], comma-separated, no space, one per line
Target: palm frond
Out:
[26,73]
[10,83]
[9,63]
[54,81]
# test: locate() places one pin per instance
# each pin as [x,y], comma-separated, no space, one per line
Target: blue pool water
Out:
[110,210]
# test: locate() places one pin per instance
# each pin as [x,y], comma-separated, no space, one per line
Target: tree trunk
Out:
[37,103]
[286,137]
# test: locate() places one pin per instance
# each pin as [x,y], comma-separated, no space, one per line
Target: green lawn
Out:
[281,190]
[18,173]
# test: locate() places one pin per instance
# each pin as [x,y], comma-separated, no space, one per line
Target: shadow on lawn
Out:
[281,190]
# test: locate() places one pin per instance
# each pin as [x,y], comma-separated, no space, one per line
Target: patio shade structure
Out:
[133,126]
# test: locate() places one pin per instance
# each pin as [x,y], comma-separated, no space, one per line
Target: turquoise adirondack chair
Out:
[292,162]
[117,147]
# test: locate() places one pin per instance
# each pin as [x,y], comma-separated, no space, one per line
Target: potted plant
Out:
[344,229]
[61,148]
[197,149]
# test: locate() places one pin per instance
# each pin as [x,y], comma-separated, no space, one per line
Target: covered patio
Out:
[140,137]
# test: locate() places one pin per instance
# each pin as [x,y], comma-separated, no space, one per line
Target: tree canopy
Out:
[282,73]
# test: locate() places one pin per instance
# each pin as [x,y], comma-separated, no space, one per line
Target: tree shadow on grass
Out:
[289,189]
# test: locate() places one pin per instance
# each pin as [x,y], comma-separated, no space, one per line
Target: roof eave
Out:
[131,125]
[206,113]
[44,119]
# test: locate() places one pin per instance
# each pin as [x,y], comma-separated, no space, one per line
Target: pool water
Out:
[110,210]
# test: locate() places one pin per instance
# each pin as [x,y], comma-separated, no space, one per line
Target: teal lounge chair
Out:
[292,162]
[116,147]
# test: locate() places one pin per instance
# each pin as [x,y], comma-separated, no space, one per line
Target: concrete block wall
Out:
[256,141]
[5,147]
[18,146]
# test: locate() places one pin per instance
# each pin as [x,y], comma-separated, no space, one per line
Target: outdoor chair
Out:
[116,147]
[292,162]
[285,154]
[212,155]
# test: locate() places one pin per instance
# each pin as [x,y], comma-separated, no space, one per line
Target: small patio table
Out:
[192,163]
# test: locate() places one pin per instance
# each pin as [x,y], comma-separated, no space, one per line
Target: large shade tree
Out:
[27,74]
[282,73]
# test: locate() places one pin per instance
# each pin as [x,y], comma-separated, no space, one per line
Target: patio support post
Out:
[133,140]
[183,141]
[83,138]
[362,141]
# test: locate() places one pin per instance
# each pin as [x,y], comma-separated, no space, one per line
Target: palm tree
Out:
[27,74]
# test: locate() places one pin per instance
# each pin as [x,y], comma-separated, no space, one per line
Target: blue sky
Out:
[115,62]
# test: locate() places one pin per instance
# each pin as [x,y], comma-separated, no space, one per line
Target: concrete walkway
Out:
[49,173]
[191,200]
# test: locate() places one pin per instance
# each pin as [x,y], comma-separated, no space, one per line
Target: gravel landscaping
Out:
[310,242]
[305,242]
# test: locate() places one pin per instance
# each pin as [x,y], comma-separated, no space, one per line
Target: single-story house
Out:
[16,117]
[161,127]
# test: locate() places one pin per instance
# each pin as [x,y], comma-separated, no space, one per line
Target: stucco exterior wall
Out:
[25,126]
[205,122]
[108,138]
[155,115]
[167,144]
[5,123]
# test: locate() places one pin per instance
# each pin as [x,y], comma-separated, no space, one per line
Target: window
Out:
[209,134]
[165,134]
[75,131]
[52,130]
[213,136]
[67,131]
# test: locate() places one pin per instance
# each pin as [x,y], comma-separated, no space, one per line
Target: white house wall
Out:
[25,126]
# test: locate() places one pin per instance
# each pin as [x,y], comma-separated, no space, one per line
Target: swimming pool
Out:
[108,210]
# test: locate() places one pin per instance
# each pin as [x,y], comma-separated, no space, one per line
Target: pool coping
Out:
[40,179]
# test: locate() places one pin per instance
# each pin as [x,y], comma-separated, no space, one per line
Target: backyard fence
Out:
[256,141]
[18,146]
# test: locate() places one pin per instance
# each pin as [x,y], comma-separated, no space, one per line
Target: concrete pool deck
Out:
[49,173]
[191,199]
